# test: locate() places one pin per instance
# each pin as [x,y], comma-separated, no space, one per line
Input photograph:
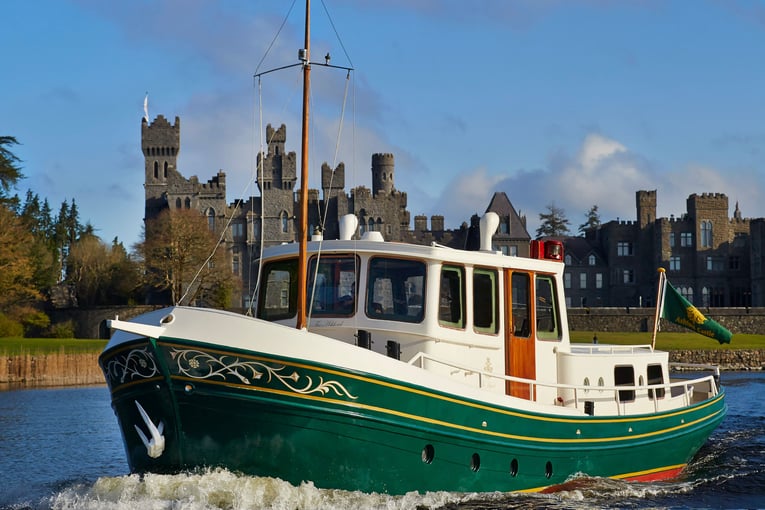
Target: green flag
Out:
[679,310]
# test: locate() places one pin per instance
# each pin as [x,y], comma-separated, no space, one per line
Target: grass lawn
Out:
[671,341]
[14,346]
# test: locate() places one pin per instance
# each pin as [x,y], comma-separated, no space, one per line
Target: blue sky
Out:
[576,103]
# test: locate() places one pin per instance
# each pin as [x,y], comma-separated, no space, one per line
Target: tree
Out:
[592,222]
[101,274]
[554,222]
[19,297]
[10,171]
[181,257]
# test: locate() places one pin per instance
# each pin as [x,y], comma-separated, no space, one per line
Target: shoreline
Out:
[63,369]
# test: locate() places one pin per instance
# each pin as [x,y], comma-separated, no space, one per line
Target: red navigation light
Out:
[550,250]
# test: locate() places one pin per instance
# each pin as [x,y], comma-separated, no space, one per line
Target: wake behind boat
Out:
[390,367]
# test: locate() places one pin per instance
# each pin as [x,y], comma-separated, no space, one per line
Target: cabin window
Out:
[395,289]
[520,283]
[277,299]
[451,297]
[548,317]
[655,376]
[624,375]
[332,289]
[485,301]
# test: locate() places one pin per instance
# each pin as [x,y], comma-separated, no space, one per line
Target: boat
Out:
[389,367]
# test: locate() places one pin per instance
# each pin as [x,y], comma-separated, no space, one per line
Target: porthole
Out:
[514,467]
[428,453]
[548,469]
[475,462]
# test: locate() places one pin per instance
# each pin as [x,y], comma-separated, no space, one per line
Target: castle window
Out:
[371,225]
[237,230]
[598,280]
[628,276]
[687,293]
[235,265]
[156,170]
[285,222]
[567,280]
[567,259]
[686,239]
[582,280]
[178,203]
[623,249]
[706,234]
[671,239]
[256,229]
[591,260]
[211,219]
[165,169]
[674,263]
[715,264]
[188,203]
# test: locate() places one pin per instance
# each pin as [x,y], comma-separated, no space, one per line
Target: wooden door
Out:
[520,357]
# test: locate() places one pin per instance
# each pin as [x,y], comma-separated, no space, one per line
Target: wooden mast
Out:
[303,218]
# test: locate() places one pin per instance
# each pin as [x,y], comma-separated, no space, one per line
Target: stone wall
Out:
[727,359]
[91,322]
[737,320]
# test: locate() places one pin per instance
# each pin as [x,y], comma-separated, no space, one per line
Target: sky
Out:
[571,103]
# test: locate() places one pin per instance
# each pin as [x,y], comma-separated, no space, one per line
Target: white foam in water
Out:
[221,489]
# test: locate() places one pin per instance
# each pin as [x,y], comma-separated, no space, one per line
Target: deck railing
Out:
[683,389]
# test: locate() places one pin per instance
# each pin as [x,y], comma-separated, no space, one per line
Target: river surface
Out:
[61,449]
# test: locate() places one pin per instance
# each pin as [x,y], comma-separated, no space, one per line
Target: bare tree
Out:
[181,256]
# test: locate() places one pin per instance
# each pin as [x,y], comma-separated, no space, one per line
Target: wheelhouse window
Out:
[277,299]
[655,376]
[332,288]
[451,300]
[396,289]
[624,375]
[485,306]
[548,317]
[521,311]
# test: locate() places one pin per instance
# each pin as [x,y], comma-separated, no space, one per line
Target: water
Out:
[61,449]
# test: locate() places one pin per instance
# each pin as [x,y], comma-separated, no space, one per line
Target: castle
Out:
[710,258]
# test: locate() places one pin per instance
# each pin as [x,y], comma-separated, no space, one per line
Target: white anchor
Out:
[156,446]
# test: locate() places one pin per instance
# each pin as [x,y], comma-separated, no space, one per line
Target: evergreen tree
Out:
[10,171]
[592,222]
[554,222]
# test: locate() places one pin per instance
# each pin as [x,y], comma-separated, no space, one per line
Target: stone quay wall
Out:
[737,320]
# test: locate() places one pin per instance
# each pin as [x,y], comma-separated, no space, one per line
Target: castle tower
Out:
[382,174]
[160,143]
[646,207]
[279,169]
[332,180]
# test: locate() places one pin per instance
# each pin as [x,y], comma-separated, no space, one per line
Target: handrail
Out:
[686,385]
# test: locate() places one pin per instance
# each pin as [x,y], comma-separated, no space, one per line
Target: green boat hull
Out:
[299,421]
